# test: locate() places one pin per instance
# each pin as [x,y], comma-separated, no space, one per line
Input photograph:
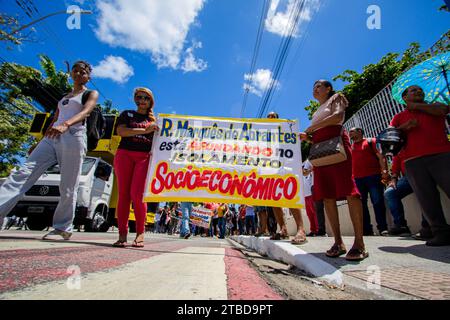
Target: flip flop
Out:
[119,244]
[356,255]
[335,251]
[138,244]
[299,240]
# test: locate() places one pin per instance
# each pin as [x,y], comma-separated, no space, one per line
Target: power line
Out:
[282,54]
[255,52]
[280,61]
[298,52]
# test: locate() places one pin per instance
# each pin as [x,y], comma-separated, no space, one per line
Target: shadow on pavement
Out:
[440,254]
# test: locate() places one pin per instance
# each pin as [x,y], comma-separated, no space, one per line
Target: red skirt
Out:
[334,181]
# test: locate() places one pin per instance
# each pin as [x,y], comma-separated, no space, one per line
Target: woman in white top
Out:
[64,144]
[335,182]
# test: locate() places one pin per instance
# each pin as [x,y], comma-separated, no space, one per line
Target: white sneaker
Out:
[57,234]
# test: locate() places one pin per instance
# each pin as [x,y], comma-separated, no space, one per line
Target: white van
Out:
[94,193]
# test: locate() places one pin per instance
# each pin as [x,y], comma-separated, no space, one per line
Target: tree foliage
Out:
[44,89]
[362,86]
[16,115]
[108,108]
[8,25]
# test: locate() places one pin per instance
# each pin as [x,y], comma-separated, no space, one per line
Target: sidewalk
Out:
[399,265]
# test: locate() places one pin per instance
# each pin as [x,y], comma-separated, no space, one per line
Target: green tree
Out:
[8,24]
[107,108]
[46,90]
[362,87]
[311,108]
[16,115]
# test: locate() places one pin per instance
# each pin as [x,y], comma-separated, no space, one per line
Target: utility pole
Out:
[45,17]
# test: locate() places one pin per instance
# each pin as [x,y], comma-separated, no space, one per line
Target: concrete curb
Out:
[295,256]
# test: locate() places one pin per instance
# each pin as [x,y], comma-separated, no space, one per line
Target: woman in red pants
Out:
[136,127]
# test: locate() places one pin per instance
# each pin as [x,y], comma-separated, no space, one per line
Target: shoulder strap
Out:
[85,96]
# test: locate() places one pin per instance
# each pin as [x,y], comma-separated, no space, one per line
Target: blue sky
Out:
[194,54]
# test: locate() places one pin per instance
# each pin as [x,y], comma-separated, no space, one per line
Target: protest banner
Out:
[201,217]
[242,161]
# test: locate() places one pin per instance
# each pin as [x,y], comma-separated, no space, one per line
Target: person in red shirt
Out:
[369,169]
[427,157]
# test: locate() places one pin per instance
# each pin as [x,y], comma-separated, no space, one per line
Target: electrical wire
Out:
[281,56]
[257,46]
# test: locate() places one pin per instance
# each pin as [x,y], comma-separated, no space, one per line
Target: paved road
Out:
[88,267]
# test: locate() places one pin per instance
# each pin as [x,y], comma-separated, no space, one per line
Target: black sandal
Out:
[356,254]
[335,251]
[119,244]
[279,236]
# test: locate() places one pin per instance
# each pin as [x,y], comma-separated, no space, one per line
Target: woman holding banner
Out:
[136,127]
[335,182]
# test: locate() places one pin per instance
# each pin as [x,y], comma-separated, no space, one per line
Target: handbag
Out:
[327,152]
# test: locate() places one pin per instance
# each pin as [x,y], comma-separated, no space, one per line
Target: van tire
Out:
[98,223]
[37,223]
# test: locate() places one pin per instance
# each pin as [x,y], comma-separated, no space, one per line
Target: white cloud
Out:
[158,27]
[190,63]
[115,68]
[281,22]
[258,82]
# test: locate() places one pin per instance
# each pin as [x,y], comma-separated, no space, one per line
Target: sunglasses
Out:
[146,98]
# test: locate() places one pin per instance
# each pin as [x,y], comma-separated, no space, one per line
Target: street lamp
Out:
[50,15]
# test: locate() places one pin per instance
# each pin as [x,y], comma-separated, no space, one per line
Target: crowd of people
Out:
[226,220]
[421,167]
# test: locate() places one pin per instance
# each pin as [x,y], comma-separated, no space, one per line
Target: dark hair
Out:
[274,113]
[327,84]
[84,64]
[358,129]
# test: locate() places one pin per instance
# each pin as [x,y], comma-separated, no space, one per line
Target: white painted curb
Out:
[293,255]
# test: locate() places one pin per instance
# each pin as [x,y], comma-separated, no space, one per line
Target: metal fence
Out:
[376,115]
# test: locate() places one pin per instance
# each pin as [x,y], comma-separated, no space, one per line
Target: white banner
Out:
[242,161]
[200,217]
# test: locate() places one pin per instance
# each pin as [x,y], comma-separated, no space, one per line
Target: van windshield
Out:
[87,165]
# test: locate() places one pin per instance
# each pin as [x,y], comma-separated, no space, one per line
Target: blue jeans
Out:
[68,151]
[186,209]
[222,227]
[372,185]
[394,200]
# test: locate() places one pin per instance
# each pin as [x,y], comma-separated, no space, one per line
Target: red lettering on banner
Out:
[244,185]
